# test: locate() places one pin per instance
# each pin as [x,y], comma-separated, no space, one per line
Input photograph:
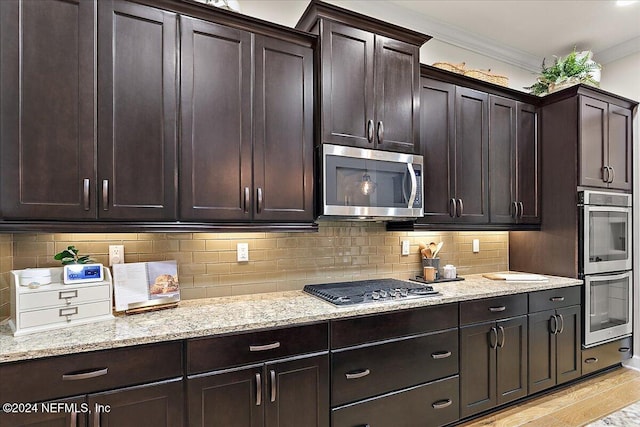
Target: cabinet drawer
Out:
[554,298]
[433,404]
[67,313]
[209,354]
[103,370]
[492,308]
[379,327]
[605,355]
[64,297]
[376,369]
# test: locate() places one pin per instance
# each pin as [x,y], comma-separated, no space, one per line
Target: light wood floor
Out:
[574,406]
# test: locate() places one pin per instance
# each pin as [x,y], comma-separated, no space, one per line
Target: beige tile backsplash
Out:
[207,264]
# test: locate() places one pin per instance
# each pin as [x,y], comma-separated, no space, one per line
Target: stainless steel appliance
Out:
[363,291]
[606,265]
[358,183]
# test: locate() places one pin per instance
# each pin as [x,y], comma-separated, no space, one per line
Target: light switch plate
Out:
[476,245]
[243,252]
[116,254]
[405,247]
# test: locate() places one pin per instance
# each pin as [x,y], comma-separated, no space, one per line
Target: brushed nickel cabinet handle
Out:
[246,199]
[264,347]
[497,309]
[85,193]
[452,208]
[441,404]
[561,323]
[553,324]
[613,174]
[105,194]
[85,375]
[460,212]
[258,389]
[370,131]
[441,355]
[501,331]
[605,173]
[591,360]
[521,209]
[380,133]
[514,209]
[556,299]
[493,338]
[357,374]
[74,419]
[260,197]
[274,390]
[624,349]
[96,419]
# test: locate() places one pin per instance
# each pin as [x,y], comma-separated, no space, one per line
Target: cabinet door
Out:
[347,85]
[158,404]
[231,399]
[620,147]
[60,413]
[297,393]
[512,359]
[477,368]
[437,136]
[527,164]
[593,142]
[542,351]
[215,163]
[47,109]
[502,156]
[136,111]
[397,77]
[569,338]
[283,123]
[472,155]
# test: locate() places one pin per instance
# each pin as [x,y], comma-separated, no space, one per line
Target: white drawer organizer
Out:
[57,305]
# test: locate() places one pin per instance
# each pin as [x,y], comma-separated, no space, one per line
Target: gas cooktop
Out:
[363,291]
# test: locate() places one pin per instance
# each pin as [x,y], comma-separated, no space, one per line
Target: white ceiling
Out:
[519,32]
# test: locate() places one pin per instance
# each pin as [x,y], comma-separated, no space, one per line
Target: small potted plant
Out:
[575,68]
[70,256]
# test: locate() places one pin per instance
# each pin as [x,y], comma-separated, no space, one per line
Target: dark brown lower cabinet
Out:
[290,393]
[554,347]
[433,404]
[58,413]
[493,364]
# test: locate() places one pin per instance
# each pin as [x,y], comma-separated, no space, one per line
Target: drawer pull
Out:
[68,312]
[264,347]
[624,349]
[441,404]
[258,389]
[274,390]
[501,333]
[561,323]
[85,375]
[591,360]
[357,374]
[497,309]
[556,299]
[441,355]
[74,419]
[67,295]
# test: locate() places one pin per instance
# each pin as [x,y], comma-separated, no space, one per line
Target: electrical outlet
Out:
[243,252]
[116,254]
[476,245]
[405,247]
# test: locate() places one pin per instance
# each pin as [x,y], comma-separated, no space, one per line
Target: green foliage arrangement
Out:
[70,256]
[577,67]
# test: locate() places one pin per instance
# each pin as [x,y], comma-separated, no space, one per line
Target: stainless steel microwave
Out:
[358,183]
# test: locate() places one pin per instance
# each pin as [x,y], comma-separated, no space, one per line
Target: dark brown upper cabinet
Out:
[245,154]
[605,144]
[369,79]
[136,111]
[47,111]
[513,162]
[454,142]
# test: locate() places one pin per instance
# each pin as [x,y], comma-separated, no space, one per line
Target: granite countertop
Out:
[216,316]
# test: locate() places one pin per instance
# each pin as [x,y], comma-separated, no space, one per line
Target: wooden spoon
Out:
[426,252]
[438,249]
[432,247]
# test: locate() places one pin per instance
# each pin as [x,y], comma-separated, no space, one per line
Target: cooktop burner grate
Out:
[356,292]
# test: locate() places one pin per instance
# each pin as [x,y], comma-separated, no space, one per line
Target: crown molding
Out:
[618,51]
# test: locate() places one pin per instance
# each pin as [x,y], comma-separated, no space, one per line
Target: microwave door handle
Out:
[414,185]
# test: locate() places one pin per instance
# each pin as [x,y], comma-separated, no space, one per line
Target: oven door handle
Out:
[414,185]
